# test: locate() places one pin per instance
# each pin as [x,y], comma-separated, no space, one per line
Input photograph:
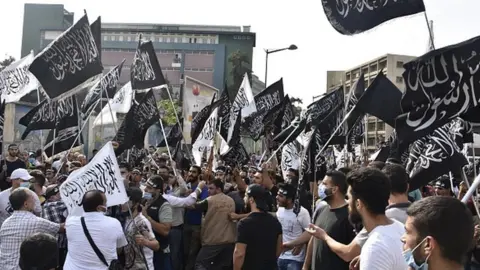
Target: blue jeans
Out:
[284,264]
[176,247]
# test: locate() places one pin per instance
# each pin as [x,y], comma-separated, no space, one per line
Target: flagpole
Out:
[336,131]
[166,141]
[429,29]
[111,112]
[474,166]
[464,179]
[41,131]
[281,145]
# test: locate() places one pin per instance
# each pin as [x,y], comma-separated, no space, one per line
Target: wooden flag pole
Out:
[280,147]
[429,29]
[166,143]
[336,130]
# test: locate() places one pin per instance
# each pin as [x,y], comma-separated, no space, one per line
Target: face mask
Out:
[408,256]
[147,196]
[25,184]
[323,192]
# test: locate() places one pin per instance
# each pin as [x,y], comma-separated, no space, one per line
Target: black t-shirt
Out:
[336,225]
[11,166]
[259,231]
[239,202]
[272,199]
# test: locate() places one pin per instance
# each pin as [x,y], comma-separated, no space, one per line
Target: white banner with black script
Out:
[16,81]
[70,63]
[290,158]
[243,102]
[205,140]
[101,173]
[120,103]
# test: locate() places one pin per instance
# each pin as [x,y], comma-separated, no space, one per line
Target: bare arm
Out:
[239,255]
[308,255]
[302,239]
[279,245]
[346,252]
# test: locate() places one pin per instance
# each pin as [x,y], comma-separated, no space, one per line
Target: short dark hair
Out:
[218,183]
[163,167]
[39,177]
[162,159]
[91,200]
[339,179]
[438,217]
[345,170]
[376,164]
[372,187]
[398,178]
[158,181]
[125,165]
[199,170]
[18,198]
[12,145]
[39,251]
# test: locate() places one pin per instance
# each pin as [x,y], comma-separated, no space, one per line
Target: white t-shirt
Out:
[6,209]
[383,248]
[106,232]
[134,259]
[292,227]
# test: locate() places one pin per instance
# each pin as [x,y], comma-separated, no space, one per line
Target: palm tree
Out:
[6,62]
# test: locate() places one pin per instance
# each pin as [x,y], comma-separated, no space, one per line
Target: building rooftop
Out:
[176,27]
[378,58]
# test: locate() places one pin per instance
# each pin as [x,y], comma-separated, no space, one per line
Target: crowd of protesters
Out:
[191,217]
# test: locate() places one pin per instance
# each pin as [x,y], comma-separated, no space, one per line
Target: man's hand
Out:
[355,263]
[296,250]
[233,216]
[140,240]
[202,184]
[317,232]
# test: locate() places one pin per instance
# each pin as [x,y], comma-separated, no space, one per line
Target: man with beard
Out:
[10,164]
[193,221]
[438,234]
[368,194]
[259,236]
[332,218]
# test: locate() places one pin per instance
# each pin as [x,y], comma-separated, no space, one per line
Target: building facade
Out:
[391,65]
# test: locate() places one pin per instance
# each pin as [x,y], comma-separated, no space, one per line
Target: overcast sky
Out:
[278,23]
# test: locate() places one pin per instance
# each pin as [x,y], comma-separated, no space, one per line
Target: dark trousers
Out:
[162,261]
[215,257]
[176,247]
[192,244]
[62,256]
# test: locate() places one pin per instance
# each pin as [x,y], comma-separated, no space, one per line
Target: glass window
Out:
[399,64]
[175,40]
[208,41]
[129,38]
[160,39]
[371,141]
[371,126]
[120,38]
[168,40]
[380,126]
[185,40]
[399,79]
[200,40]
[105,38]
[112,38]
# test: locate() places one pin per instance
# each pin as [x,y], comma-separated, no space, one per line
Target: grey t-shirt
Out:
[395,211]
[165,213]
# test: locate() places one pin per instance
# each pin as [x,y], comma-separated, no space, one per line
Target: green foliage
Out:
[169,119]
[6,62]
[240,65]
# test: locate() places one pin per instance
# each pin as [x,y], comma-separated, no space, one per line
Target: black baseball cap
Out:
[443,182]
[287,190]
[51,191]
[135,194]
[259,195]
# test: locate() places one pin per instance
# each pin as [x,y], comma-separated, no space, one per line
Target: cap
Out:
[156,182]
[56,165]
[21,174]
[287,190]
[52,190]
[136,171]
[135,194]
[259,195]
[443,182]
[220,169]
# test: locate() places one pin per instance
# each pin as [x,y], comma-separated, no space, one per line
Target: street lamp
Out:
[267,51]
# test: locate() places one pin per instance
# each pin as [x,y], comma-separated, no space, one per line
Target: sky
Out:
[277,23]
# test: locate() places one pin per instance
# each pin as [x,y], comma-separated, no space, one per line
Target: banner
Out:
[101,173]
[145,71]
[196,96]
[120,103]
[16,81]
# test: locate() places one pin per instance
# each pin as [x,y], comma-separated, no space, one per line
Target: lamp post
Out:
[267,51]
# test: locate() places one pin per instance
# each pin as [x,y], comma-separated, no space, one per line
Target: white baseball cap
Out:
[21,174]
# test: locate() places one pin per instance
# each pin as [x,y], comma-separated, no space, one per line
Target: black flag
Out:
[202,116]
[224,114]
[264,101]
[319,109]
[96,28]
[50,114]
[352,17]
[106,87]
[145,71]
[64,140]
[2,122]
[440,86]
[381,99]
[236,156]
[174,135]
[70,63]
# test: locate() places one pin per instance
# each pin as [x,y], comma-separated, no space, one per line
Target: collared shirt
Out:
[56,212]
[19,226]
[178,205]
[106,233]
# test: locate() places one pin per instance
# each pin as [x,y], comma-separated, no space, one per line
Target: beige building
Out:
[392,66]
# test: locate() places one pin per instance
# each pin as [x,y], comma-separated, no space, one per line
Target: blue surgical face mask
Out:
[322,192]
[408,256]
[25,184]
[147,196]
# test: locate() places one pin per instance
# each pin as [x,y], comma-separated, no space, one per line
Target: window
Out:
[371,126]
[200,40]
[208,41]
[129,38]
[168,40]
[399,79]
[175,40]
[185,40]
[160,39]
[112,38]
[194,40]
[371,141]
[120,38]
[380,126]
[105,38]
[399,64]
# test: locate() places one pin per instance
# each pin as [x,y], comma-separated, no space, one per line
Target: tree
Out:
[170,118]
[296,102]
[6,62]
[240,65]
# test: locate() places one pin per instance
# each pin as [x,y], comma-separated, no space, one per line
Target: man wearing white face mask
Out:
[20,179]
[438,234]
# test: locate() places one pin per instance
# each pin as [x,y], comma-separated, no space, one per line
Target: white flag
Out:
[205,140]
[244,102]
[16,81]
[101,173]
[290,158]
[120,103]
